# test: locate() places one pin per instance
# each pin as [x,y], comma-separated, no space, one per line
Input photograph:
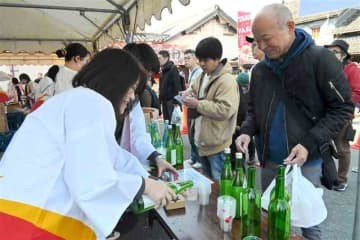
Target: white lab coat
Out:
[134,138]
[64,79]
[65,159]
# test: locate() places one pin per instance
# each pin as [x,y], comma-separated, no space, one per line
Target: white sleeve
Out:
[90,154]
[131,165]
[141,145]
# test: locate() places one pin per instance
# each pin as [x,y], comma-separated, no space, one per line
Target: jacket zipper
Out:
[287,140]
[266,126]
[285,124]
[332,86]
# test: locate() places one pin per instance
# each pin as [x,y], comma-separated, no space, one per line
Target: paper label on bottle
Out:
[147,202]
[173,157]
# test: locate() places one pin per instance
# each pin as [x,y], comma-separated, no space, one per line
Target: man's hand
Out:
[187,93]
[298,155]
[163,165]
[242,143]
[191,102]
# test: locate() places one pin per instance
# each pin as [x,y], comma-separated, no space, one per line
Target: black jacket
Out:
[170,84]
[315,82]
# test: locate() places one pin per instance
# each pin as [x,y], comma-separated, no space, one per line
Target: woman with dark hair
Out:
[29,90]
[81,181]
[46,86]
[15,91]
[76,56]
[133,127]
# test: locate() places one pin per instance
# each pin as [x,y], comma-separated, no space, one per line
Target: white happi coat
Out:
[65,159]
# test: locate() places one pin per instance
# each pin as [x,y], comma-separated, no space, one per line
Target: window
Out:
[315,32]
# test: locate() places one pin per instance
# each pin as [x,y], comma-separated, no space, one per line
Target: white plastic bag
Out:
[176,117]
[265,198]
[307,206]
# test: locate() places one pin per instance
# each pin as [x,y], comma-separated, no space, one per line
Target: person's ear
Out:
[77,59]
[291,25]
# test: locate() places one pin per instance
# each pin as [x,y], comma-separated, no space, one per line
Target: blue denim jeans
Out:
[194,151]
[213,165]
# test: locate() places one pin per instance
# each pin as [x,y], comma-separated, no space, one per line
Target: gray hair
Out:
[279,11]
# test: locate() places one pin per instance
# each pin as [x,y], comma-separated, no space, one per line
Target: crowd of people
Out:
[86,142]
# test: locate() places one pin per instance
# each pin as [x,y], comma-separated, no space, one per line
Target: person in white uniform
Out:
[131,132]
[46,86]
[76,56]
[64,171]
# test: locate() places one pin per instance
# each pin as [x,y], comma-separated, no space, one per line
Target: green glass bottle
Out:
[226,179]
[145,204]
[170,147]
[279,213]
[165,133]
[179,147]
[155,135]
[237,186]
[281,173]
[251,207]
[180,187]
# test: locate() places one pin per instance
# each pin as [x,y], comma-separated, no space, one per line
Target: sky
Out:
[232,6]
[313,6]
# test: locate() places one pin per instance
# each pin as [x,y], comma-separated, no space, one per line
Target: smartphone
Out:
[179,98]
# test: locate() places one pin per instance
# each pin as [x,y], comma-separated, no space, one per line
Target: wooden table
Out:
[200,222]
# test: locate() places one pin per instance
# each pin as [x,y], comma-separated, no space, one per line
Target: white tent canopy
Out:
[47,25]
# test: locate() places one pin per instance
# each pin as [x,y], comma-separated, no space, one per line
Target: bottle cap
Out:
[238,155]
[227,150]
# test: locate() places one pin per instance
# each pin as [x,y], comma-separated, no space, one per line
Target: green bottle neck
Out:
[227,158]
[280,188]
[251,177]
[281,171]
[238,163]
[170,133]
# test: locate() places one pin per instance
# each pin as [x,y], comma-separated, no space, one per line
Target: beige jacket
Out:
[218,110]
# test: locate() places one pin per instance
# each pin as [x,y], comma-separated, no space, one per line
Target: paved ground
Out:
[340,205]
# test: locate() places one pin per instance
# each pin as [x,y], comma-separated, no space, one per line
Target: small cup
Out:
[204,191]
[192,194]
[226,206]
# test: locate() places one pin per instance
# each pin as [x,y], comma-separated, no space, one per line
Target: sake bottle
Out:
[179,145]
[281,173]
[155,135]
[170,147]
[251,207]
[180,187]
[145,204]
[226,179]
[279,213]
[237,186]
[165,133]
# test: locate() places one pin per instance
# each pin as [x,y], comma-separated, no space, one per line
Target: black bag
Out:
[329,171]
[328,168]
[350,133]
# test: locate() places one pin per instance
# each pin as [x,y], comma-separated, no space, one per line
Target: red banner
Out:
[243,28]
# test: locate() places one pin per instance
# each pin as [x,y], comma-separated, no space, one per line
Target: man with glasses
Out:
[352,73]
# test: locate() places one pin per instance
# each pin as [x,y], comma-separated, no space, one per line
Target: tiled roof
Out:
[317,16]
[354,26]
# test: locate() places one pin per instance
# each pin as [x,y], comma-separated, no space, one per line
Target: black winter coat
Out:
[170,84]
[315,81]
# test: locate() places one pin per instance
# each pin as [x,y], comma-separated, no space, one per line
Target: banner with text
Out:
[243,28]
